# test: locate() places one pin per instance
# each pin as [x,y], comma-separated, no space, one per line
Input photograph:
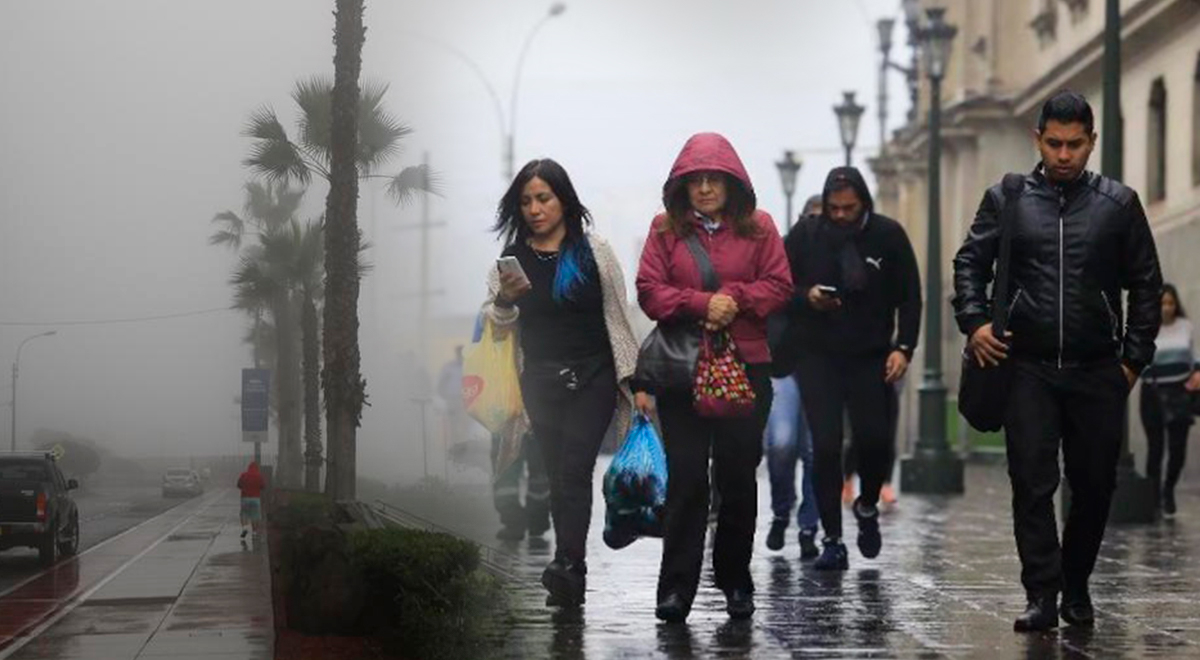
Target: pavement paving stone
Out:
[946,586]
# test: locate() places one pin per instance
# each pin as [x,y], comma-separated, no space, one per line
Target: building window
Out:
[1196,125]
[1078,9]
[1156,143]
[1045,22]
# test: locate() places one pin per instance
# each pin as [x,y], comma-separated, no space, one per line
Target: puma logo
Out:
[877,262]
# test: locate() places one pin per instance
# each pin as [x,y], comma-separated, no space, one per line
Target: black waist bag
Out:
[983,391]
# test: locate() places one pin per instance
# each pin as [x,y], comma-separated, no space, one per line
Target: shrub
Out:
[428,598]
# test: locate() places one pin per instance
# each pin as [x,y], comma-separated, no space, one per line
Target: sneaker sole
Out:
[562,590]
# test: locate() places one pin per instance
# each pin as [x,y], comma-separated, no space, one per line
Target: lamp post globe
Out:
[849,113]
[789,169]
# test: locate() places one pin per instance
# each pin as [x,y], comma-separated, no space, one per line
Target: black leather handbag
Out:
[983,391]
[668,356]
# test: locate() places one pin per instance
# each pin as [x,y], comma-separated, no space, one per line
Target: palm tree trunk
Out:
[345,389]
[311,341]
[288,378]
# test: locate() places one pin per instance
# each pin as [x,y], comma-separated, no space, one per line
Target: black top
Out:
[884,316]
[1075,248]
[571,331]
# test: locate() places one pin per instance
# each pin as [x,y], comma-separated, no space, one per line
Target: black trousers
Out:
[850,460]
[736,449]
[570,426]
[832,385]
[1084,409]
[1161,424]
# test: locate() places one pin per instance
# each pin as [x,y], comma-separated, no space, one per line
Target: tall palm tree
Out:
[345,388]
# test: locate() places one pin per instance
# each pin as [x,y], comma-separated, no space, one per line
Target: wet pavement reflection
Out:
[945,586]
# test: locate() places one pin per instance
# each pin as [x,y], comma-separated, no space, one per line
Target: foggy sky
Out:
[120,134]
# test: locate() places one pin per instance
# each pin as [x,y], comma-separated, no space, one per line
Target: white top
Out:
[1174,354]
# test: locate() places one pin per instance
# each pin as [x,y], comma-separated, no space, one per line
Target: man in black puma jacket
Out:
[1079,240]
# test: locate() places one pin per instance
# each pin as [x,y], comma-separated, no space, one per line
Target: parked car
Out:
[181,482]
[36,509]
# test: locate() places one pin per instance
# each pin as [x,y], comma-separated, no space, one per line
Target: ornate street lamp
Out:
[789,168]
[848,114]
[934,467]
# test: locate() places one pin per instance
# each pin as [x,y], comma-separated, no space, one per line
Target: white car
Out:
[181,482]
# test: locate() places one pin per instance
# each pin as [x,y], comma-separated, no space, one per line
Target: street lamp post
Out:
[1134,499]
[556,9]
[15,369]
[934,468]
[848,114]
[788,168]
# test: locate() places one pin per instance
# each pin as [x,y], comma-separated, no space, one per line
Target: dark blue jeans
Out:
[787,440]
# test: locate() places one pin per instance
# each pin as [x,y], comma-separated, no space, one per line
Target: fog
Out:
[120,138]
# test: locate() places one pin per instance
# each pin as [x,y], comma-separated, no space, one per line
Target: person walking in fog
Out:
[251,485]
[710,204]
[1078,240]
[788,439]
[577,352]
[855,331]
[1168,385]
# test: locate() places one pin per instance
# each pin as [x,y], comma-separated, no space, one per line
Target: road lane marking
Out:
[47,571]
[70,605]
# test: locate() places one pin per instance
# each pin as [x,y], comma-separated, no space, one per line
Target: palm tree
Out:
[345,389]
[275,277]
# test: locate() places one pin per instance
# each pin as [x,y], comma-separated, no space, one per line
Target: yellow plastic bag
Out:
[490,385]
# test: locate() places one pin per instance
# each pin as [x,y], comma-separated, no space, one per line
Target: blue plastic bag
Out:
[635,487]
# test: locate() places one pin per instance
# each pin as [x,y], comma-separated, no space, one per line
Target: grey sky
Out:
[120,133]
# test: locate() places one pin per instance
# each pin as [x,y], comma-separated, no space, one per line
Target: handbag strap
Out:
[707,274]
[1012,186]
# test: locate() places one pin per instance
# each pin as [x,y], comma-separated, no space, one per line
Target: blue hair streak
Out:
[576,264]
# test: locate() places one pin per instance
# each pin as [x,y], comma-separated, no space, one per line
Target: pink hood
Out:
[710,152]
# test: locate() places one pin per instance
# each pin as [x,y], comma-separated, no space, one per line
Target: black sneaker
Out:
[808,544]
[739,603]
[833,558]
[671,609]
[1077,608]
[1168,503]
[566,582]
[243,533]
[775,536]
[869,540]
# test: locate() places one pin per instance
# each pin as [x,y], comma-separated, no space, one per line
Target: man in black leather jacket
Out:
[1079,240]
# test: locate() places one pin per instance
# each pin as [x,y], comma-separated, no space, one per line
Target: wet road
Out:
[946,586]
[178,585]
[104,511]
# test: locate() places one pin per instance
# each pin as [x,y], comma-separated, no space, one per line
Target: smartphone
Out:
[511,265]
[831,291]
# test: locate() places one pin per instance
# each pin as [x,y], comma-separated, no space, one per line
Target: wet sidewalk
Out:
[946,586]
[182,585]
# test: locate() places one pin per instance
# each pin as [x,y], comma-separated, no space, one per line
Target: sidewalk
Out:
[946,586]
[181,586]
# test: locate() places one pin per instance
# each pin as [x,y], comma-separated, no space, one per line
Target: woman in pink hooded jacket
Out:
[709,194]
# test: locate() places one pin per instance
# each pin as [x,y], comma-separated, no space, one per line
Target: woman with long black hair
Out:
[577,350]
[1167,386]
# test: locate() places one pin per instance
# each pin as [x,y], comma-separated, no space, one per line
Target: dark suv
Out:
[36,509]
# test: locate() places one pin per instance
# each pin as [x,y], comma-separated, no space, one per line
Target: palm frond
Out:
[314,96]
[278,160]
[414,181]
[264,125]
[231,231]
[379,133]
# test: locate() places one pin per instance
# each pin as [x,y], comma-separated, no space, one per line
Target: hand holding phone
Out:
[514,283]
[824,298]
